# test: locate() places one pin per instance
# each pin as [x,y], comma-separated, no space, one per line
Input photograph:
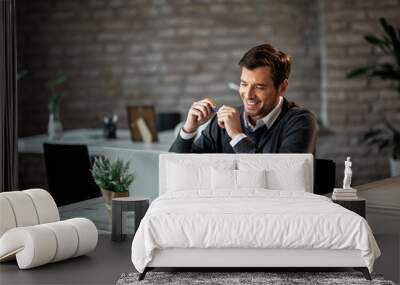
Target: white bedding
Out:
[252,218]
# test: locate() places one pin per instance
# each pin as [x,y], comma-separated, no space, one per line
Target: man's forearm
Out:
[181,145]
[245,145]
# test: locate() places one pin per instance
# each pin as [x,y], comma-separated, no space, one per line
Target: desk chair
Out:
[325,176]
[168,121]
[68,173]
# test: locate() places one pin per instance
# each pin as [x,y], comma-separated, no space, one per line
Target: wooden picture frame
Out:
[147,113]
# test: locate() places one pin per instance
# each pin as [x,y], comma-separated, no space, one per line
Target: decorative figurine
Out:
[347,192]
[347,174]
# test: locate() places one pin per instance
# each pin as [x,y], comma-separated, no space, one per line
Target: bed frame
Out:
[242,259]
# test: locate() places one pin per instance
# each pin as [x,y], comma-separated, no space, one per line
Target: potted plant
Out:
[54,125]
[387,137]
[113,178]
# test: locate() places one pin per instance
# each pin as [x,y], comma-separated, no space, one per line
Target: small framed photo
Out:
[142,123]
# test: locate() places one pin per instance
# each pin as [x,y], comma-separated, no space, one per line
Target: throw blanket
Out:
[253,218]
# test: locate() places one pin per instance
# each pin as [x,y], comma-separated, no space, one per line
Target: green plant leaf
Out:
[392,128]
[372,133]
[384,44]
[383,145]
[374,40]
[357,72]
[385,71]
[22,74]
[385,138]
[391,32]
[389,43]
[60,79]
[113,176]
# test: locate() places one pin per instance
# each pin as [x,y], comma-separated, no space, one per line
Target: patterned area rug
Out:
[229,278]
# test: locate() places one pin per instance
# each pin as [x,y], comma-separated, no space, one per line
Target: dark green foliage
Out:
[54,102]
[22,74]
[386,139]
[112,176]
[389,44]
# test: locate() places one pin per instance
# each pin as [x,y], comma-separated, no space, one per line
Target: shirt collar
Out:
[268,120]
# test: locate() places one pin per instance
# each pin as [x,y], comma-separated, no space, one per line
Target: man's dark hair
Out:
[267,55]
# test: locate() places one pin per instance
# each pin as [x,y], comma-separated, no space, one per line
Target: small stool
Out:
[119,205]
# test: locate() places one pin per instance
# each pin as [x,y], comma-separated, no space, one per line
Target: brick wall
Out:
[356,105]
[169,53]
[166,53]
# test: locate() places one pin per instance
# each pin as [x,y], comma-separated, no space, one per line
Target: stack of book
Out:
[344,194]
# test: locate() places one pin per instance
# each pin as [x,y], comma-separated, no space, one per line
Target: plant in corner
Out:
[387,137]
[113,178]
[55,126]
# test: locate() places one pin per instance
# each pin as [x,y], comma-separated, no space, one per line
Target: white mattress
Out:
[256,218]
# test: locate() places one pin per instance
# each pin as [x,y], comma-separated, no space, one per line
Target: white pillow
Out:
[185,175]
[223,179]
[283,174]
[251,178]
[293,179]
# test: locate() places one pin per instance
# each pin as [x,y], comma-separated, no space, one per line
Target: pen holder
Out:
[110,127]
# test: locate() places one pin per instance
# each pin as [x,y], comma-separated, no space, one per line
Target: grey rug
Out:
[228,278]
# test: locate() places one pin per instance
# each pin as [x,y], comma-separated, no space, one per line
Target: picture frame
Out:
[137,114]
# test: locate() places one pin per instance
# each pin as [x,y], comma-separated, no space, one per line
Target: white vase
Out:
[54,127]
[394,167]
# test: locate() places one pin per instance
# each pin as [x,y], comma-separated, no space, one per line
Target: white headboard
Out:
[210,159]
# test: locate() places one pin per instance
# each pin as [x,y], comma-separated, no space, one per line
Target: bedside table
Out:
[119,206]
[357,206]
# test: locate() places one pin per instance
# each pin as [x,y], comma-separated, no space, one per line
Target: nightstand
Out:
[125,204]
[357,206]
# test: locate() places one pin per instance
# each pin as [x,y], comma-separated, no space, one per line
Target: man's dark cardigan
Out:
[294,131]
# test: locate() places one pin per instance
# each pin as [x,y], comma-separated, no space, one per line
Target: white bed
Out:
[247,210]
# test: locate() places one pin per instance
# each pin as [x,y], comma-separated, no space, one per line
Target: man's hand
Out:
[229,118]
[200,112]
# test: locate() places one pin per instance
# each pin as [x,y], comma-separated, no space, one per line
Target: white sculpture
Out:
[347,174]
[31,231]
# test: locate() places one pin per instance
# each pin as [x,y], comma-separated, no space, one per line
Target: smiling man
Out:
[266,123]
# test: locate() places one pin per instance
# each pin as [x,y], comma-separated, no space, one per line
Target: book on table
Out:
[344,194]
[335,197]
[341,190]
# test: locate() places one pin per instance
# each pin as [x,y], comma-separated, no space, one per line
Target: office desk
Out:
[95,141]
[143,157]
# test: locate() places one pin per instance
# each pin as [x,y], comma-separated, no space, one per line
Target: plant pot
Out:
[54,127]
[109,195]
[394,167]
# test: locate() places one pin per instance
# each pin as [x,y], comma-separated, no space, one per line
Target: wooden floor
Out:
[110,259]
[103,266]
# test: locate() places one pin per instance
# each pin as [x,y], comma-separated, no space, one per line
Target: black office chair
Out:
[68,173]
[168,121]
[324,176]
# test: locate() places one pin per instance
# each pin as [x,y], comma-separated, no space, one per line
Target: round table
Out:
[120,205]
